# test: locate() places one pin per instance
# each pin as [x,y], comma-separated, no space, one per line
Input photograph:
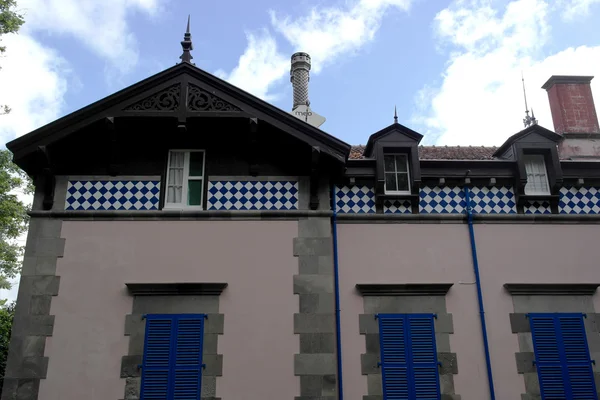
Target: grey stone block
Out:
[314,227]
[519,323]
[450,397]
[525,396]
[214,323]
[550,304]
[373,397]
[35,367]
[314,323]
[369,364]
[134,323]
[45,266]
[136,344]
[525,362]
[444,324]
[311,385]
[175,305]
[315,398]
[45,227]
[525,342]
[28,389]
[209,386]
[9,389]
[132,388]
[329,386]
[315,343]
[41,285]
[449,365]
[313,284]
[372,342]
[314,364]
[26,346]
[447,384]
[597,379]
[405,304]
[40,305]
[315,265]
[368,324]
[35,325]
[442,342]
[312,246]
[593,342]
[532,384]
[130,366]
[594,320]
[374,384]
[214,364]
[317,303]
[46,247]
[210,343]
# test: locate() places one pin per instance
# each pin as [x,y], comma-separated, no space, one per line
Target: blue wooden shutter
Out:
[408,357]
[172,363]
[562,357]
[423,357]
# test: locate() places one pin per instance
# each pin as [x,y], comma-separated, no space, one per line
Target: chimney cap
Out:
[300,54]
[566,79]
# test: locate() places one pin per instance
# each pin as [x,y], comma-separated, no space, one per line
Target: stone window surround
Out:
[406,299]
[173,298]
[561,298]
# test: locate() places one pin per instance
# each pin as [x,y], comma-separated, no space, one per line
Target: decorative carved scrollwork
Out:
[166,100]
[200,100]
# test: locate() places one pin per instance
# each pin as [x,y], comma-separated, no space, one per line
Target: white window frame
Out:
[396,172]
[186,179]
[529,158]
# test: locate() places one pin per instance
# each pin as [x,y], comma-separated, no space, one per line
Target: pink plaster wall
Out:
[410,253]
[255,258]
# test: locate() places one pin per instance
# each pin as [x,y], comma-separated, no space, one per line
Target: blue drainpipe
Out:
[486,346]
[336,278]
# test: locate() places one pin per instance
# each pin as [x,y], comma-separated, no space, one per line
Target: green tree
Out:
[13,216]
[7,314]
[10,22]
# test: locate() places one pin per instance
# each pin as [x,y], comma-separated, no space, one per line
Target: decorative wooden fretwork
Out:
[165,100]
[199,99]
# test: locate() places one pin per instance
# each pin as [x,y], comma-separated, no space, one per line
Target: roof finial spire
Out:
[395,115]
[186,45]
[528,120]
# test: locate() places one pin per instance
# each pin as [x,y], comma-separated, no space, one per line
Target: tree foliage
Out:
[13,216]
[10,22]
[7,314]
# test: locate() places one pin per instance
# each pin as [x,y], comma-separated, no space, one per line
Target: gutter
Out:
[336,277]
[486,347]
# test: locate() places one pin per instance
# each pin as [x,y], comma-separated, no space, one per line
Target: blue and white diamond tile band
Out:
[397,207]
[355,199]
[537,207]
[112,195]
[252,195]
[583,200]
[441,200]
[494,200]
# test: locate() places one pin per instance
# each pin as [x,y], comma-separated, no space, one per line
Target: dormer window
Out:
[537,175]
[397,177]
[185,179]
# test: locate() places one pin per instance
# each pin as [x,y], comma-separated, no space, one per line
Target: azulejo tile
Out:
[105,195]
[252,195]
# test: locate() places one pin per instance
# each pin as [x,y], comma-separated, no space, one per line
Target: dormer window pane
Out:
[537,175]
[185,179]
[397,179]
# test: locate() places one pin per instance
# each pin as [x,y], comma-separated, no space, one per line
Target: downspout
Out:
[336,280]
[486,346]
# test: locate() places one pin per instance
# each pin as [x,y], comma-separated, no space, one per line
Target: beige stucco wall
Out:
[255,258]
[411,253]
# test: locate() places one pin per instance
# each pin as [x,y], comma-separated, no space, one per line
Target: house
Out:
[189,240]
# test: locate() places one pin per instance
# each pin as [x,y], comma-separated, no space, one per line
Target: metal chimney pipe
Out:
[299,76]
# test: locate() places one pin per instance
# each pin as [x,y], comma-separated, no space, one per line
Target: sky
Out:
[452,67]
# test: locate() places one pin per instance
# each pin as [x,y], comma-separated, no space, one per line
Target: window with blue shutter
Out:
[409,368]
[172,365]
[562,357]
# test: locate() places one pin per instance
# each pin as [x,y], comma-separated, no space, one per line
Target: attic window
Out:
[537,175]
[397,179]
[185,179]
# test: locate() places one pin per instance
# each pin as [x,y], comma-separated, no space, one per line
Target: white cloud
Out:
[480,98]
[33,79]
[575,8]
[325,33]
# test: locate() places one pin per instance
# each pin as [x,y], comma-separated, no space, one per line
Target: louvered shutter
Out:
[562,357]
[188,358]
[172,362]
[408,357]
[423,357]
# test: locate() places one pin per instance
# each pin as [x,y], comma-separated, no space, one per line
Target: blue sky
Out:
[452,67]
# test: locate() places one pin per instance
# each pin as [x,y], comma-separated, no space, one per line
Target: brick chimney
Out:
[574,115]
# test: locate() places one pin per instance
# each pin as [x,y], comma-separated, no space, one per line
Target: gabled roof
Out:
[537,129]
[395,127]
[224,98]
